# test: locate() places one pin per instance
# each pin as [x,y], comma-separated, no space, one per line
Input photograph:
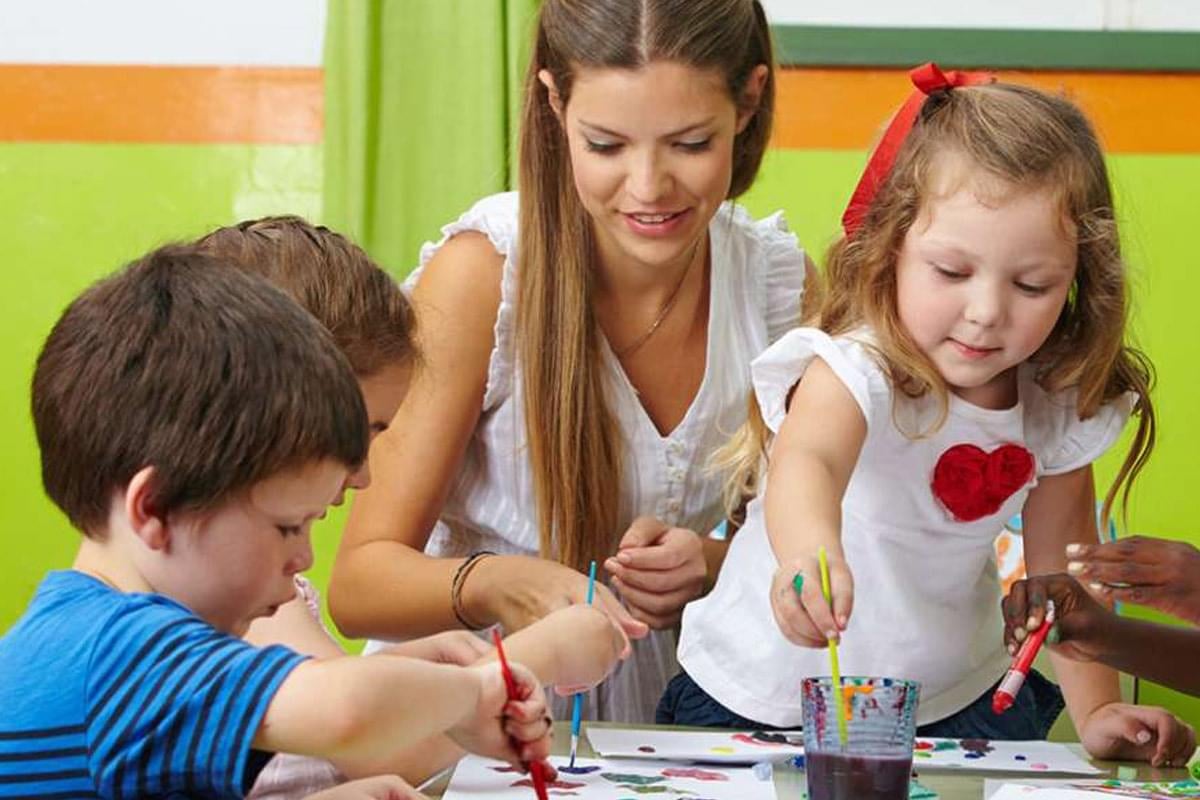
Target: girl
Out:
[585,342]
[970,363]
[373,325]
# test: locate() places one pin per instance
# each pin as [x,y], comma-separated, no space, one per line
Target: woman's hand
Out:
[805,618]
[1082,627]
[658,570]
[517,591]
[1159,573]
[1138,733]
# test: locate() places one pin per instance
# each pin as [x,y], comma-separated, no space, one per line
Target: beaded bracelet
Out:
[456,585]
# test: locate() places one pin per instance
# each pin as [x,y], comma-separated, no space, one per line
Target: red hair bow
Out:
[928,78]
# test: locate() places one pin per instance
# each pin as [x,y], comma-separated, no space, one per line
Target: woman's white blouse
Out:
[756,284]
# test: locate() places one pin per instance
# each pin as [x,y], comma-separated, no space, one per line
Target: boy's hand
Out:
[1138,733]
[382,787]
[1158,573]
[1081,625]
[806,619]
[452,647]
[658,569]
[516,731]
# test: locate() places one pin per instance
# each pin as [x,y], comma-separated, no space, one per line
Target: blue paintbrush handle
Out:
[577,706]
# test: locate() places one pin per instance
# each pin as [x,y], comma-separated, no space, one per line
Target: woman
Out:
[575,385]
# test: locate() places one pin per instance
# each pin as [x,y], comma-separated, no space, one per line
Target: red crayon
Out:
[536,768]
[1014,679]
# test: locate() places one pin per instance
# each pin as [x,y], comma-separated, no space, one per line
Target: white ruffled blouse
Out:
[756,284]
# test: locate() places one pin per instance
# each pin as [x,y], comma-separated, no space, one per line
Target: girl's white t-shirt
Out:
[927,595]
[756,283]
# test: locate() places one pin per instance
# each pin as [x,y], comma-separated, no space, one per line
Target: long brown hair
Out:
[573,440]
[1026,139]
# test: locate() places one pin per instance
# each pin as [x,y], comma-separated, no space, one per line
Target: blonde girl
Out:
[971,362]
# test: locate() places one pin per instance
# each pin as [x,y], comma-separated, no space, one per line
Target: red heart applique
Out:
[971,483]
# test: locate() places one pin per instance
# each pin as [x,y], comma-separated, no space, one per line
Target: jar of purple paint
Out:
[875,761]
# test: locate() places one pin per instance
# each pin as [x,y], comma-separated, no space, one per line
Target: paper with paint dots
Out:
[601,779]
[1098,790]
[985,755]
[717,747]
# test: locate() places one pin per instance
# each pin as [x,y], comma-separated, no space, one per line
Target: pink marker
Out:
[1014,679]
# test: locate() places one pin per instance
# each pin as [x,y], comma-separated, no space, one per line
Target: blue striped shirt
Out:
[104,694]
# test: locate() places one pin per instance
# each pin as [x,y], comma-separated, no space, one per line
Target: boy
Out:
[193,422]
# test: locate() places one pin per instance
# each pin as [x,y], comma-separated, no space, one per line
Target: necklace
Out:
[662,312]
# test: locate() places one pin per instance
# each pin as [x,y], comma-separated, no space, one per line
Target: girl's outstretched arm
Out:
[1062,510]
[810,464]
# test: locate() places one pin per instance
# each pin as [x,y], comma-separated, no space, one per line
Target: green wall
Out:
[72,213]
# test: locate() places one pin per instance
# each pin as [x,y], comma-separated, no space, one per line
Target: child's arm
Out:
[295,626]
[380,787]
[1059,511]
[368,707]
[571,649]
[1084,630]
[811,462]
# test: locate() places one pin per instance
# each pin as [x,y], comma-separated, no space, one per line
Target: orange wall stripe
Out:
[252,105]
[845,109]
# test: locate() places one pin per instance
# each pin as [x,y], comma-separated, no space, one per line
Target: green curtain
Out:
[422,99]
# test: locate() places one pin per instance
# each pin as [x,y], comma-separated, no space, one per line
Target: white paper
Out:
[479,777]
[983,755]
[1014,791]
[1091,790]
[716,747]
[745,747]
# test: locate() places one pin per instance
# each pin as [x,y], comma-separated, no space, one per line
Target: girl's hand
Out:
[517,730]
[806,619]
[381,787]
[1082,627]
[1124,732]
[1159,573]
[461,648]
[517,591]
[659,570]
[586,647]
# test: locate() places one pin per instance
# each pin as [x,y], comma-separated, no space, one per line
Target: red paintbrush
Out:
[536,768]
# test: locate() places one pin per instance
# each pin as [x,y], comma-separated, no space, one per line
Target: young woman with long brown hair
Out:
[587,347]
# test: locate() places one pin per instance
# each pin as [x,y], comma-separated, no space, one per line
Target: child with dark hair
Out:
[373,325]
[193,421]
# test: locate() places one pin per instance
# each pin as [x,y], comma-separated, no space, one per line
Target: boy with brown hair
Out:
[193,422]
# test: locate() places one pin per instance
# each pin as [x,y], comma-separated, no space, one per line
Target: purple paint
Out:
[836,776]
[577,770]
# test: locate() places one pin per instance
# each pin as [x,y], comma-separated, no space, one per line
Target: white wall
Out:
[176,32]
[1117,15]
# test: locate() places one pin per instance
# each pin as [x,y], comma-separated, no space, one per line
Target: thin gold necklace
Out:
[662,312]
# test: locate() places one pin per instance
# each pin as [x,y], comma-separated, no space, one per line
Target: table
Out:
[789,783]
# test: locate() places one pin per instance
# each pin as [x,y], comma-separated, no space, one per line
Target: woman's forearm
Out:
[388,590]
